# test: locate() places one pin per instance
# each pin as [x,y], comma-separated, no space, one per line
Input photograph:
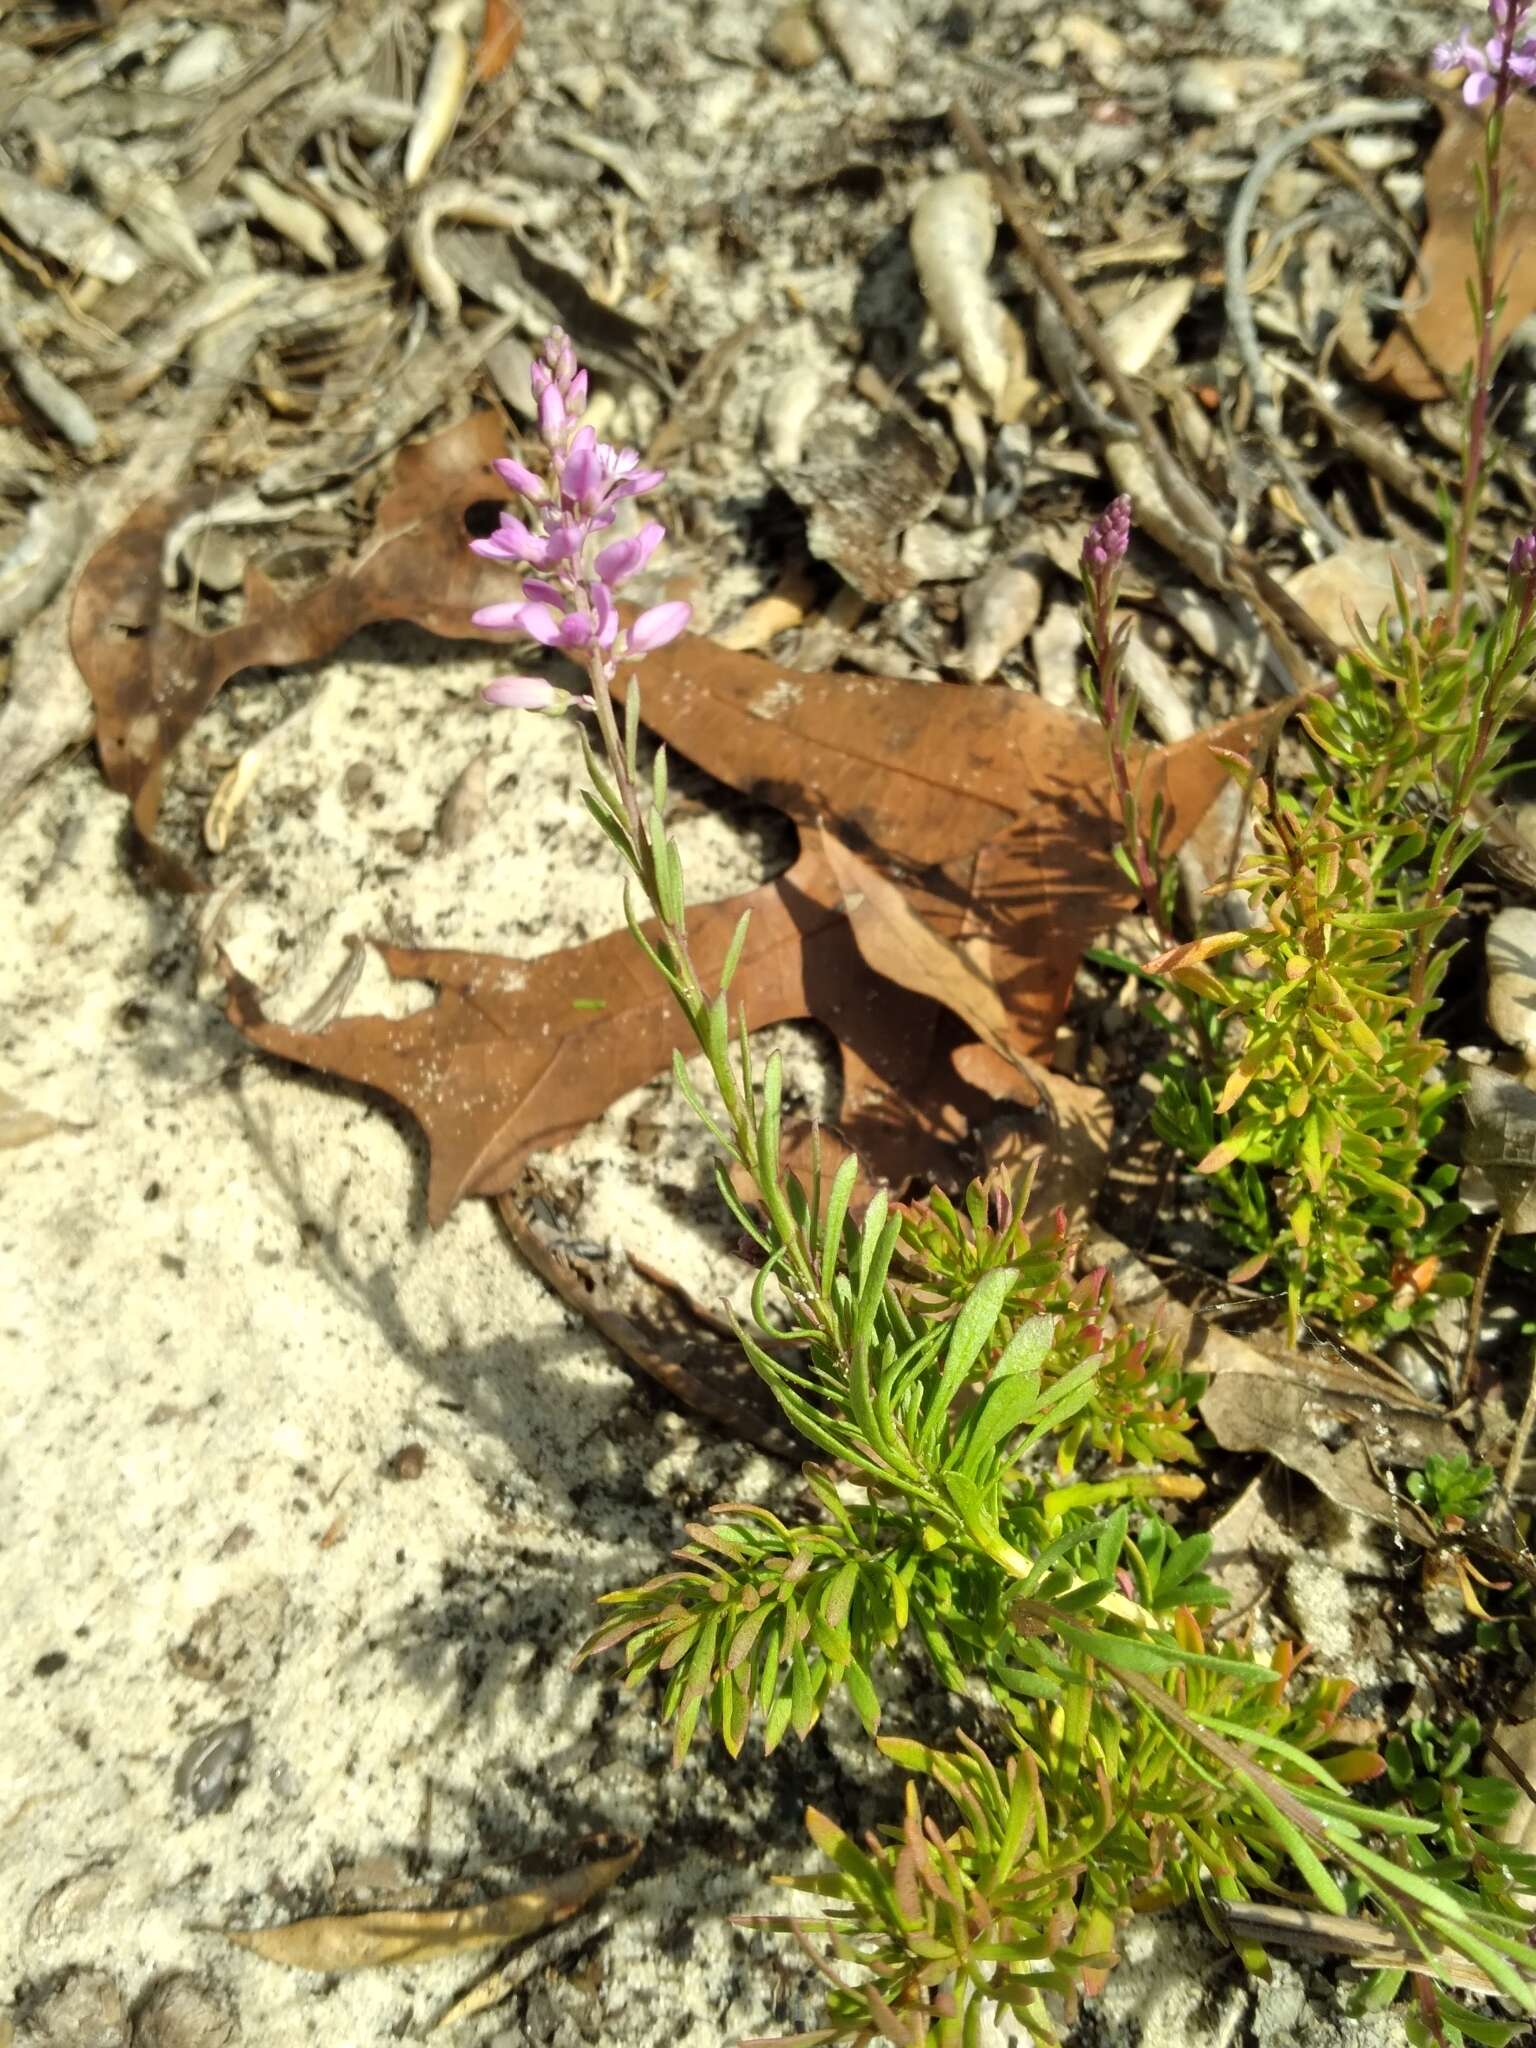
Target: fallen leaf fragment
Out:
[1435,339]
[22,1126]
[1499,1146]
[500,34]
[370,1941]
[151,676]
[1272,1400]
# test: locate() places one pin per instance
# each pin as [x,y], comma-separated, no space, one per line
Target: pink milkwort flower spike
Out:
[569,604]
[1109,537]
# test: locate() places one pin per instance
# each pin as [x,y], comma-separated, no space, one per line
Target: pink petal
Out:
[624,557]
[656,627]
[520,693]
[606,613]
[576,392]
[539,592]
[520,477]
[499,618]
[497,548]
[540,622]
[638,482]
[575,631]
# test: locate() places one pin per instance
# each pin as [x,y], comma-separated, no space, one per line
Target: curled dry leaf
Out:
[370,1941]
[1265,1398]
[1435,339]
[1070,1142]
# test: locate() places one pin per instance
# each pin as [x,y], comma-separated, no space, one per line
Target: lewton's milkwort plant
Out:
[1133,1759]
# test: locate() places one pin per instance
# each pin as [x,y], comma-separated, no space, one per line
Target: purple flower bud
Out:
[537,591]
[1522,559]
[540,378]
[521,693]
[606,613]
[576,393]
[1109,536]
[575,631]
[656,627]
[519,478]
[551,412]
[623,558]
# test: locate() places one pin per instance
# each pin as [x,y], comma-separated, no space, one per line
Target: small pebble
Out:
[410,842]
[793,39]
[409,1462]
[212,1767]
[866,36]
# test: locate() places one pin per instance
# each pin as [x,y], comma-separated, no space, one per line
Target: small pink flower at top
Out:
[1497,65]
[1109,536]
[570,604]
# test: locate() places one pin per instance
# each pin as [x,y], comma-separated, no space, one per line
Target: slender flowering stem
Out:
[1104,552]
[568,604]
[1493,69]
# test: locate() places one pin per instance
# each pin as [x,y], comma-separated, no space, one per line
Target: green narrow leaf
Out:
[970,1331]
[831,1229]
[874,1225]
[734,950]
[1106,1554]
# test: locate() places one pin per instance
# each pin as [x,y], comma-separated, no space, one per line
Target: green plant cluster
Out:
[1311,1091]
[1133,1759]
[1139,1404]
[1453,1492]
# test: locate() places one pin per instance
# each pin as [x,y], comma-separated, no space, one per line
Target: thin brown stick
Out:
[1468,1358]
[1523,1428]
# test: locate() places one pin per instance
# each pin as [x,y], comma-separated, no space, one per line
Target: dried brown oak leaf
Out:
[1437,335]
[513,1057]
[151,676]
[990,809]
